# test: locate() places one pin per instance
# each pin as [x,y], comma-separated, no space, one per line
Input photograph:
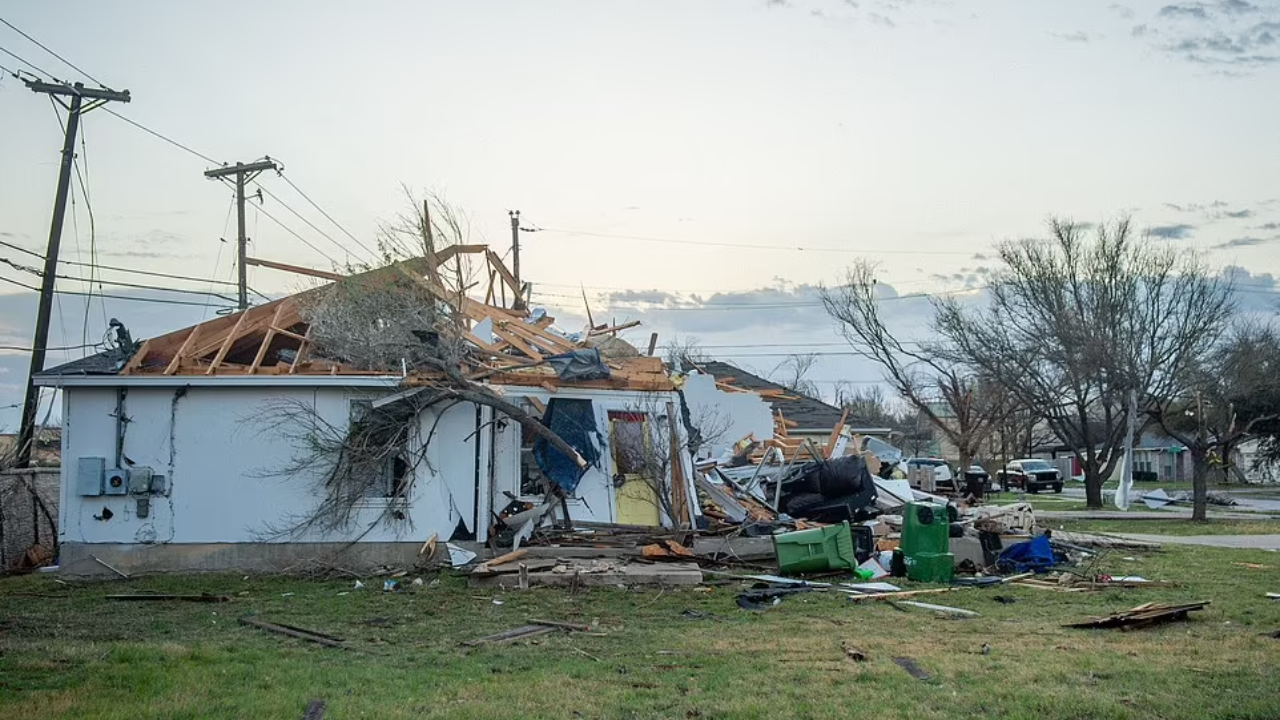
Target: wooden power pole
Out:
[515,258]
[244,173]
[78,106]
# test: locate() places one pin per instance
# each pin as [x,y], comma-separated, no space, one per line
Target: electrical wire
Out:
[298,215]
[28,63]
[138,299]
[304,241]
[710,243]
[122,269]
[113,283]
[21,285]
[169,140]
[17,348]
[327,215]
[44,47]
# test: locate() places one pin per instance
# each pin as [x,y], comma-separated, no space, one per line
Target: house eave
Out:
[59,381]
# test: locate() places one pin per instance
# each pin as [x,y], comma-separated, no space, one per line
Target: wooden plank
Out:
[136,360]
[266,341]
[537,405]
[679,495]
[227,343]
[523,632]
[292,268]
[308,635]
[507,277]
[835,434]
[546,385]
[281,331]
[516,342]
[539,336]
[615,328]
[182,350]
[302,350]
[447,254]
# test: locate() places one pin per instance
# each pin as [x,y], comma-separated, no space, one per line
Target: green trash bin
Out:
[816,550]
[926,542]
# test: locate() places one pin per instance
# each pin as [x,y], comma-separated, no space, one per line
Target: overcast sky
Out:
[913,131]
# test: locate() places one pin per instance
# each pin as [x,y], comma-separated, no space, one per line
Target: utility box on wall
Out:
[90,473]
[116,482]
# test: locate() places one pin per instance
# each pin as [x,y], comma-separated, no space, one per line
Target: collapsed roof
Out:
[507,345]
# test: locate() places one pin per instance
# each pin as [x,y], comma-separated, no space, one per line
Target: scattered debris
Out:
[852,652]
[1273,596]
[941,608]
[1093,540]
[1005,599]
[297,632]
[562,625]
[202,597]
[1142,616]
[459,557]
[1253,566]
[666,550]
[985,649]
[524,632]
[911,667]
[101,562]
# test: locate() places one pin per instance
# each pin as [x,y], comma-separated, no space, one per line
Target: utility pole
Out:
[515,258]
[244,173]
[78,94]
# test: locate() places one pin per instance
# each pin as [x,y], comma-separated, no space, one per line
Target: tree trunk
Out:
[1199,482]
[1092,485]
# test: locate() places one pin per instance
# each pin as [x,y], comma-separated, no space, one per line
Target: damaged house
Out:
[365,416]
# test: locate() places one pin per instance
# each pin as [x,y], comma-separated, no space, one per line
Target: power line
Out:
[169,140]
[91,281]
[327,215]
[44,47]
[136,299]
[291,232]
[16,348]
[712,243]
[121,269]
[21,285]
[298,215]
[32,65]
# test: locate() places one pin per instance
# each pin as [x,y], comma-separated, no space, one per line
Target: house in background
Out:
[813,419]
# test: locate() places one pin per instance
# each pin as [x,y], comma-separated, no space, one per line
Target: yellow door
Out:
[635,499]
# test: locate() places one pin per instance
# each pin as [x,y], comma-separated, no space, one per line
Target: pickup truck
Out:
[1031,475]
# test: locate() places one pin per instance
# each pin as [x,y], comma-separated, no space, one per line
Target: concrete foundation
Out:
[78,559]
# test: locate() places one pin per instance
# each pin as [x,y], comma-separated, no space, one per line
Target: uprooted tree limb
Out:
[387,321]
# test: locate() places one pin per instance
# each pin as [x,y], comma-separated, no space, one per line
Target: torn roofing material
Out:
[508,345]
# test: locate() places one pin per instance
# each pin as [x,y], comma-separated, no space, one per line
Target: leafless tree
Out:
[961,403]
[1224,398]
[866,402]
[682,351]
[792,374]
[1076,326]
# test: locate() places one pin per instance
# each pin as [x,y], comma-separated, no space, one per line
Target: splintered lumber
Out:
[899,595]
[203,597]
[1142,616]
[300,633]
[940,608]
[314,711]
[523,632]
[561,625]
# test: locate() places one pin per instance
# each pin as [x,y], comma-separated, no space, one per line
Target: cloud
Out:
[1231,36]
[1269,226]
[1245,242]
[1171,232]
[656,297]
[1123,11]
[979,256]
[1239,214]
[878,19]
[1079,36]
[1196,11]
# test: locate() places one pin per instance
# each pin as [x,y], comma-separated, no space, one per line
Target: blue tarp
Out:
[575,422]
[1035,555]
[579,365]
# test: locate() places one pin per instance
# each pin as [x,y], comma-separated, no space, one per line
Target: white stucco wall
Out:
[734,415]
[221,460]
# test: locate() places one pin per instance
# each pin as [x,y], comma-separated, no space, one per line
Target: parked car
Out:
[974,470]
[1031,475]
[941,471]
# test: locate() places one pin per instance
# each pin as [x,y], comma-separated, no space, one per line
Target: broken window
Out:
[532,481]
[391,477]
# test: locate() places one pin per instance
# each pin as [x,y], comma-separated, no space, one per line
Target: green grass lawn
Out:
[1171,526]
[65,652]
